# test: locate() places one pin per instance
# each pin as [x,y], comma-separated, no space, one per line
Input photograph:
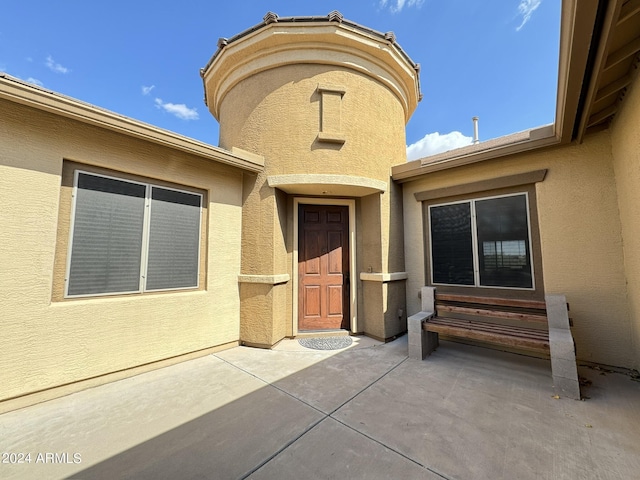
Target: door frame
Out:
[351,203]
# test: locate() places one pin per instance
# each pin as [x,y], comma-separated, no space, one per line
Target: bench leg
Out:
[417,347]
[432,341]
[417,343]
[427,342]
[421,343]
[562,348]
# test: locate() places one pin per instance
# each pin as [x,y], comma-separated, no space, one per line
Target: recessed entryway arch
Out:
[350,205]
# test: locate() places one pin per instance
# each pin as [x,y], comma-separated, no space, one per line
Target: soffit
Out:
[614,64]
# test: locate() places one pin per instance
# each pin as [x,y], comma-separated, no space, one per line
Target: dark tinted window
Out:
[451,244]
[503,242]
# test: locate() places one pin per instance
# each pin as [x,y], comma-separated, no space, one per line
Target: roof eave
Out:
[333,16]
[17,91]
[576,35]
[291,40]
[537,138]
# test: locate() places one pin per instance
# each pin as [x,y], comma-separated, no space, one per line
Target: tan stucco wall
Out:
[382,237]
[277,114]
[625,139]
[47,343]
[580,234]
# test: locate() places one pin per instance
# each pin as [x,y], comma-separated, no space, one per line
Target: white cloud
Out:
[55,67]
[397,5]
[35,81]
[147,90]
[179,110]
[433,143]
[526,9]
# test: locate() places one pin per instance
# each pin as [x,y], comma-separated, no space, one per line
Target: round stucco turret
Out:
[314,96]
[325,102]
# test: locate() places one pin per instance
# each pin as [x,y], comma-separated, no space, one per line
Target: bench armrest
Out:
[419,345]
[423,316]
[415,321]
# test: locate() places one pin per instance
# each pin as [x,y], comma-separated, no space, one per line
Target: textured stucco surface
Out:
[277,113]
[46,343]
[580,235]
[625,139]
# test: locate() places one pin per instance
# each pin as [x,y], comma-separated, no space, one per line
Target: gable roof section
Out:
[598,57]
[15,90]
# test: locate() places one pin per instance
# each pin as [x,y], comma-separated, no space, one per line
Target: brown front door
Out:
[323,267]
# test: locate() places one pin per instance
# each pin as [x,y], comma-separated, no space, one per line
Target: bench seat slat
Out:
[506,330]
[528,317]
[469,331]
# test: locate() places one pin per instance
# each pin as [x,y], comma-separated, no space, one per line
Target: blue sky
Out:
[496,59]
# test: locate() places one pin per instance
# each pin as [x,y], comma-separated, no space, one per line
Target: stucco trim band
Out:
[518,179]
[321,184]
[338,44]
[383,277]
[268,279]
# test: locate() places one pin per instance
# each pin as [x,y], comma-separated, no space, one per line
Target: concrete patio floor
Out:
[363,412]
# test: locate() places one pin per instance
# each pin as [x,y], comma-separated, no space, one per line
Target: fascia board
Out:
[35,97]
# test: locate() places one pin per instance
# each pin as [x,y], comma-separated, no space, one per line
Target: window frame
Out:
[474,242]
[149,185]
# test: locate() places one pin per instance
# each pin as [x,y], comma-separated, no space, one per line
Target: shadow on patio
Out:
[365,412]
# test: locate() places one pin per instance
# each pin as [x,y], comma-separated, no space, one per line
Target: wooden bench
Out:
[541,327]
[506,322]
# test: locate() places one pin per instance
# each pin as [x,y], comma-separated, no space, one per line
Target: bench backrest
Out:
[485,308]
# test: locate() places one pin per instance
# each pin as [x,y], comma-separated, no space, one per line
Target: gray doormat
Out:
[326,343]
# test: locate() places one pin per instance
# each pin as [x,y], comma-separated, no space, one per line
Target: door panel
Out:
[312,301]
[323,267]
[312,252]
[335,300]
[335,253]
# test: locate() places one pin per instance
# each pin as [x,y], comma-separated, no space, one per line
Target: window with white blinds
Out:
[129,237]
